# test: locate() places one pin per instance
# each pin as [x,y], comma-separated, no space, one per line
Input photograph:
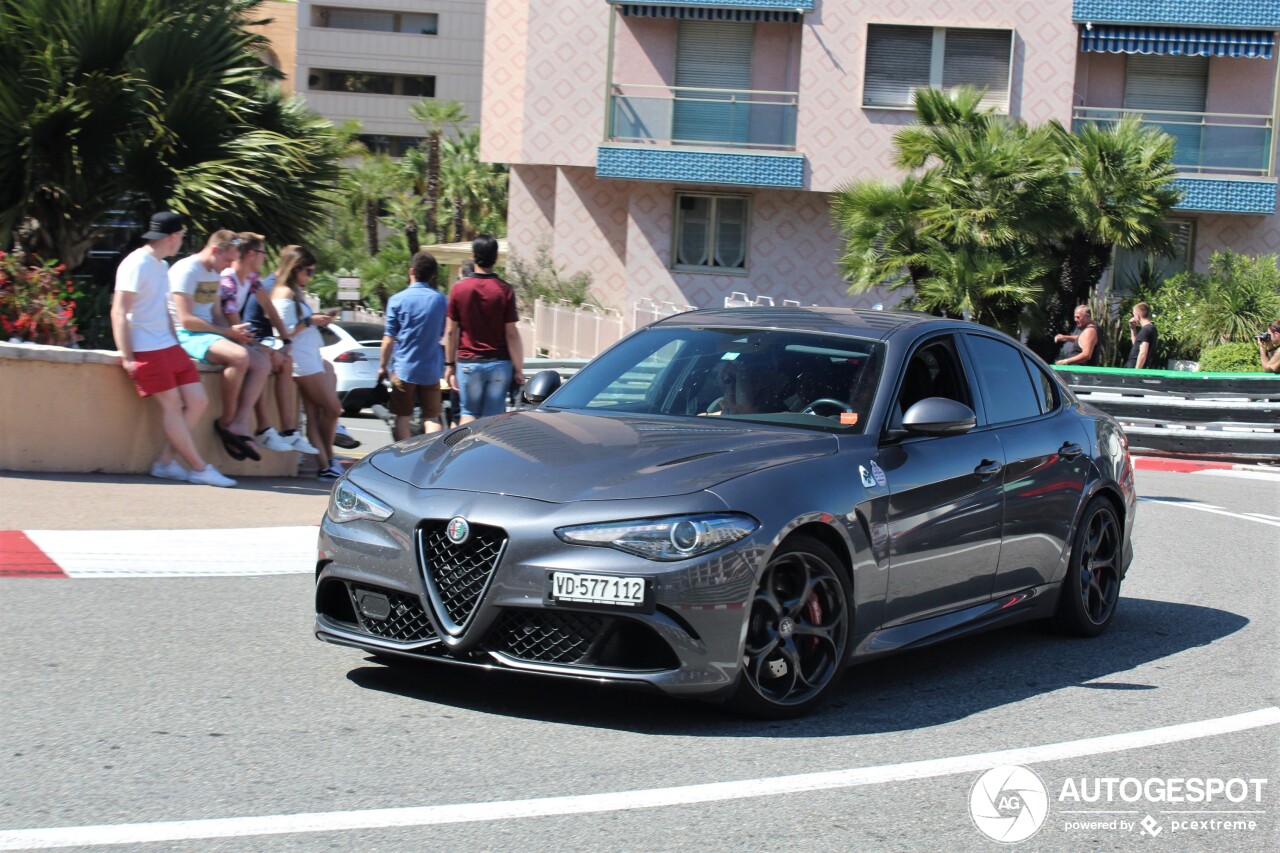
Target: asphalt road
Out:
[140,701]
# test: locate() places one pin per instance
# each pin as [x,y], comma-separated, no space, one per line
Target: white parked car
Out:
[353,349]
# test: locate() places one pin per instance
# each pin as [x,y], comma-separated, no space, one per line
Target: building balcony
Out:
[1226,161]
[1205,143]
[720,118]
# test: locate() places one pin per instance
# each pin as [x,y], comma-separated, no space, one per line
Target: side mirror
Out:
[938,416]
[541,386]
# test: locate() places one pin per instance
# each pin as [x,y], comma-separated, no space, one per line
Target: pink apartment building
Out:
[681,151]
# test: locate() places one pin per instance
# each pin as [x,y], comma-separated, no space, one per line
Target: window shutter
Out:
[715,55]
[898,60]
[979,58]
[1156,84]
[1178,83]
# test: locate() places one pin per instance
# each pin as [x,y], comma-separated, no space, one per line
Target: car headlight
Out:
[349,502]
[675,538]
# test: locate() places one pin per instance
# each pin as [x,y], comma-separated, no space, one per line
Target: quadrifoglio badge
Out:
[1011,804]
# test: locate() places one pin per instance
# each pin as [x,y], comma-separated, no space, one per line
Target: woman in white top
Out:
[314,375]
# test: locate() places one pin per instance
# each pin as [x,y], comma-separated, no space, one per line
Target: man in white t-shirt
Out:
[150,354]
[195,286]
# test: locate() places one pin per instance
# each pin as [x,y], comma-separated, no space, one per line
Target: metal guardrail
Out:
[1233,416]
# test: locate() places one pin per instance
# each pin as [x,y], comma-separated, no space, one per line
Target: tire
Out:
[799,628]
[351,411]
[1091,589]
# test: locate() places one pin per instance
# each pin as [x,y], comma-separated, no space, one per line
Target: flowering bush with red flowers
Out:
[37,303]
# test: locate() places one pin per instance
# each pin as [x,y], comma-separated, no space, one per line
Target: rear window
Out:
[364,331]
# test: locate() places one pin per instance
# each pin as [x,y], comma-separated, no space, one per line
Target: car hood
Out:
[563,456]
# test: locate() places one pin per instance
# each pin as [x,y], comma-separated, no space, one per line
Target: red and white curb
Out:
[1196,466]
[235,552]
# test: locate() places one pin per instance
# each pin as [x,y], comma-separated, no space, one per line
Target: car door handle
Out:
[1070,450]
[987,468]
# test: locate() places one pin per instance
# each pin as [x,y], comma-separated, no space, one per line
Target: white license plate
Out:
[597,589]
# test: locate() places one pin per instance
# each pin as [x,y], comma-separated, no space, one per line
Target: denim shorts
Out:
[482,385]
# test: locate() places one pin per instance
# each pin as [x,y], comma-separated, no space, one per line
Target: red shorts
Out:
[161,369]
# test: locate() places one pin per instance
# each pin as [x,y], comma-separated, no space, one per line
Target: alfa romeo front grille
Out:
[404,621]
[458,575]
[545,636]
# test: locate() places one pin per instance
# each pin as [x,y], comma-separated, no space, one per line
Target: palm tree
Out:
[404,209]
[964,228]
[1121,193]
[367,185]
[134,105]
[437,116]
[880,224]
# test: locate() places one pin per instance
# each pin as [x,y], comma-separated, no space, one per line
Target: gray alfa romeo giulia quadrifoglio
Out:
[737,504]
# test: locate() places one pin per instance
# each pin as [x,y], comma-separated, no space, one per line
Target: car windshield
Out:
[801,379]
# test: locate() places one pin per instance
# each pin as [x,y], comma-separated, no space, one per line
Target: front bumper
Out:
[689,643]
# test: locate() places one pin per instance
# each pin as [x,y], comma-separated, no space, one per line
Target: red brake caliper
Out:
[814,606]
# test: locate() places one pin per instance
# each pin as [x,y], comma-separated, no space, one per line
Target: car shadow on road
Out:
[926,687]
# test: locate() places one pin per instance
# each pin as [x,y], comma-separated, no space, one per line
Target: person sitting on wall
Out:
[1081,346]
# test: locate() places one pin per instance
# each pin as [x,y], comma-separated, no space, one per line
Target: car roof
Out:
[860,322]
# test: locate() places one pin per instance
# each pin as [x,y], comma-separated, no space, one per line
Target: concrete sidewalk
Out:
[39,501]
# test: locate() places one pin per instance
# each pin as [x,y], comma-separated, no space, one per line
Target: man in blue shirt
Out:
[411,351]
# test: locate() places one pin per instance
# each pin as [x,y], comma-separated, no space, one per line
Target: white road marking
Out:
[180,553]
[239,827]
[1216,510]
[1273,476]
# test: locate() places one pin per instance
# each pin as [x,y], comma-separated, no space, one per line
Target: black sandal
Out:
[229,442]
[245,443]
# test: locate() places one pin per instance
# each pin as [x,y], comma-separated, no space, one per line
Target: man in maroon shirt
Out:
[482,349]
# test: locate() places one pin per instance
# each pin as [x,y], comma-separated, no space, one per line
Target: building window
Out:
[424,24]
[392,146]
[711,232]
[372,84]
[901,59]
[1138,272]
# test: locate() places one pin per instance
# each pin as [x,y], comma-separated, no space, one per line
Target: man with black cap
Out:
[150,354]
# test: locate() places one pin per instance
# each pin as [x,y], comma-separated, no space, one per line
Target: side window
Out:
[933,371]
[1006,387]
[1046,388]
[327,336]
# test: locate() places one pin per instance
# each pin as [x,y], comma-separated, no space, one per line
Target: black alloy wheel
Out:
[798,633]
[1091,589]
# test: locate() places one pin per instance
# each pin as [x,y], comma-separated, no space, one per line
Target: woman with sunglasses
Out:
[313,375]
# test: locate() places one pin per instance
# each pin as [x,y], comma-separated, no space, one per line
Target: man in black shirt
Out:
[1143,334]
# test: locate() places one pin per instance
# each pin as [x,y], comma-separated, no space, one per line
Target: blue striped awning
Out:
[704,13]
[1168,41]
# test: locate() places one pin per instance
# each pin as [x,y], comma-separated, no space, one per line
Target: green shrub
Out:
[1241,357]
[1231,303]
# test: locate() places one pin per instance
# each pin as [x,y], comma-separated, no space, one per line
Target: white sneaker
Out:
[210,476]
[299,442]
[272,440]
[170,470]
